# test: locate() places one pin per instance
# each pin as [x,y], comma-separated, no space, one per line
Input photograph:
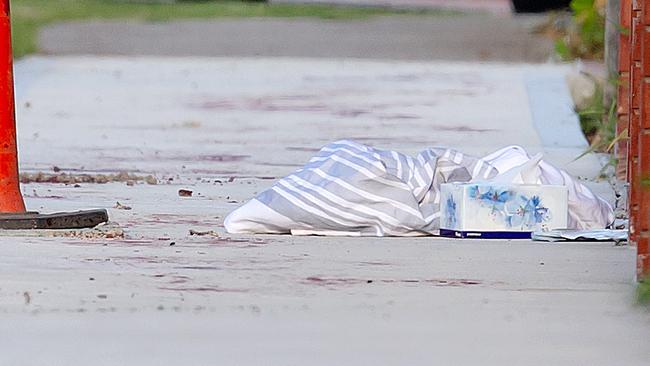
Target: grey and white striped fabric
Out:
[352,189]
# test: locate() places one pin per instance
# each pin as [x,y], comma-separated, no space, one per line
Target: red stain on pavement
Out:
[221,158]
[398,116]
[204,289]
[319,281]
[210,268]
[333,281]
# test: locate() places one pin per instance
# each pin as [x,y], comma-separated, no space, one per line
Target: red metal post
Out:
[11,199]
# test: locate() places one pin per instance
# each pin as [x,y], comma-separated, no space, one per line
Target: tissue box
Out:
[497,210]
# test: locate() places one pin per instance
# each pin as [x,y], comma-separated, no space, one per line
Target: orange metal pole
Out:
[11,199]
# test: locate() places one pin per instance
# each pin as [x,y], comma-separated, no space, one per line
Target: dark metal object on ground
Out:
[60,220]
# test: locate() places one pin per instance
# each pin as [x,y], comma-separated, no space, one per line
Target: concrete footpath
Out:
[227,128]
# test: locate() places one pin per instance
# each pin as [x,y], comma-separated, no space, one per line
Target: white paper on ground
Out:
[581,235]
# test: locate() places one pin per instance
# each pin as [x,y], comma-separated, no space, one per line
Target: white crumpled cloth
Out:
[354,190]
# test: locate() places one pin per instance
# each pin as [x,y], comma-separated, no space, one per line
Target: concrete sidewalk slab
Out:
[202,117]
[226,128]
[231,116]
[320,301]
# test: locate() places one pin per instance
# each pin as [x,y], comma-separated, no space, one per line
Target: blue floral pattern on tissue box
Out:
[497,207]
[513,209]
[451,218]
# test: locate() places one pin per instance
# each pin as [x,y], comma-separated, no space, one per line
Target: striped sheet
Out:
[352,189]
